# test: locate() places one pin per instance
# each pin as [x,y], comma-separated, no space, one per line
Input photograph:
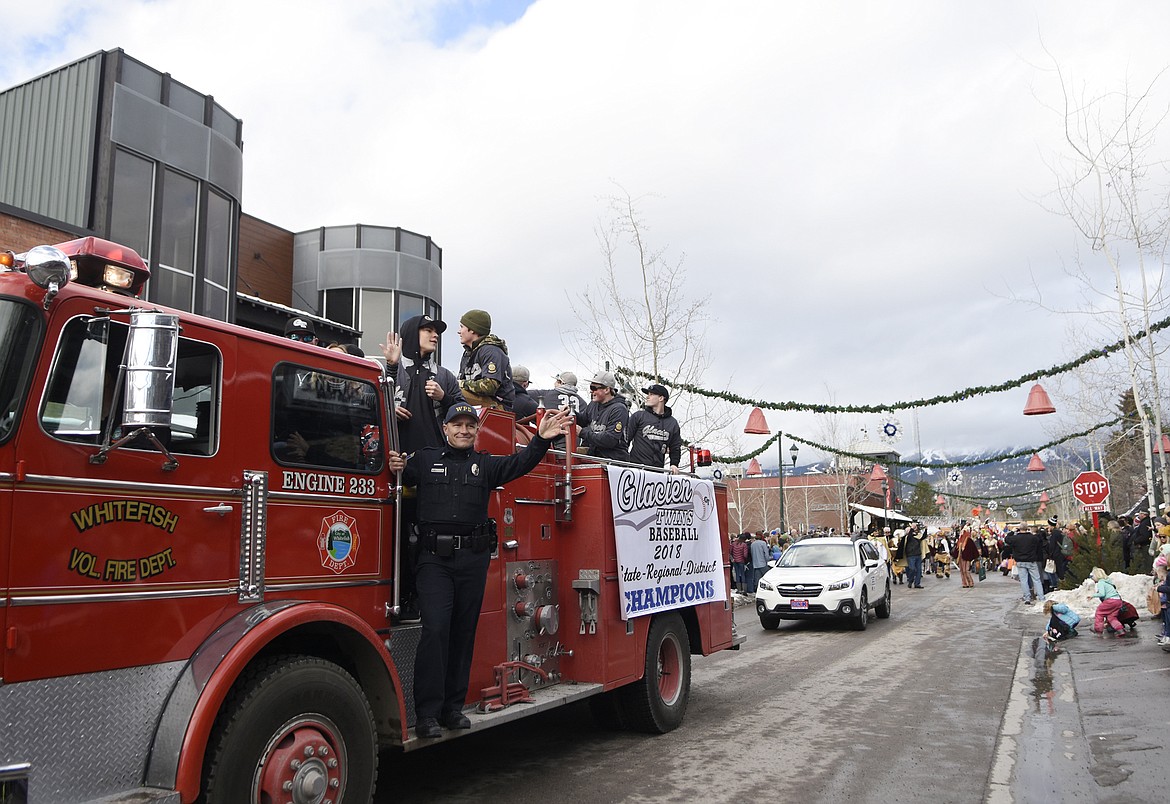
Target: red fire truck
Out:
[198,555]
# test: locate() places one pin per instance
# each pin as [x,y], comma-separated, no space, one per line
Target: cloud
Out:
[854,185]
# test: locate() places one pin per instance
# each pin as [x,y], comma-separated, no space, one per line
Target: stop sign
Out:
[1090,488]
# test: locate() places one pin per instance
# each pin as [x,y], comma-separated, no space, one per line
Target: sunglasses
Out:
[596,387]
[305,338]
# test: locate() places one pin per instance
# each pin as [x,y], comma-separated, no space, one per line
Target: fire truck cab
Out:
[198,547]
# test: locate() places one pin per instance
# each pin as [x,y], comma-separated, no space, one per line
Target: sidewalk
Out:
[1088,722]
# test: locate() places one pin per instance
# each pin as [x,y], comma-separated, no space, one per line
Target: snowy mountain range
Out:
[999,478]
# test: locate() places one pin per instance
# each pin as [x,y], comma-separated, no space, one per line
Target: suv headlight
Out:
[765,585]
[847,583]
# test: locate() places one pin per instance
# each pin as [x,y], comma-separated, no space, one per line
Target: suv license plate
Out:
[799,604]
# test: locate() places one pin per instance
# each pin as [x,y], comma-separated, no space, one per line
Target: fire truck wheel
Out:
[657,703]
[295,728]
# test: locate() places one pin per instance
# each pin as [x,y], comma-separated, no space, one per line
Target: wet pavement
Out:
[955,698]
[1087,721]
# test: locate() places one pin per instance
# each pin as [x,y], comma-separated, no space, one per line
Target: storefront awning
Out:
[881,512]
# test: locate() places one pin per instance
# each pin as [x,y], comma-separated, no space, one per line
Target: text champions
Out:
[668,596]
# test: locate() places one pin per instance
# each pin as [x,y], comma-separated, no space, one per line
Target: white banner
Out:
[669,551]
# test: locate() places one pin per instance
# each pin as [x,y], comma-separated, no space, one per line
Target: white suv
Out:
[832,577]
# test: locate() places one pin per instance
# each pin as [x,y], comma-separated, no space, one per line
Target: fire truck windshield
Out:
[82,401]
[20,328]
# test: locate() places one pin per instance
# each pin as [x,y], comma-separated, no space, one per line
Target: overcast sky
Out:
[856,186]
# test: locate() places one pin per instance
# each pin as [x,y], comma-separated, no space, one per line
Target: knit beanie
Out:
[477,321]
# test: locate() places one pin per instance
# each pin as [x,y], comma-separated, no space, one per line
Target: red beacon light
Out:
[98,263]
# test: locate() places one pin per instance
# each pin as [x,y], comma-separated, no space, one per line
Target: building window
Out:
[376,318]
[338,306]
[132,204]
[408,307]
[174,283]
[141,79]
[218,256]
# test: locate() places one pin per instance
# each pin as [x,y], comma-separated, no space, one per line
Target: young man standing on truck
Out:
[604,422]
[485,371]
[454,485]
[654,432]
[423,393]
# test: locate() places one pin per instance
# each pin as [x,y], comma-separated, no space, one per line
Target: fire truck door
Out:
[116,562]
[5,536]
[21,325]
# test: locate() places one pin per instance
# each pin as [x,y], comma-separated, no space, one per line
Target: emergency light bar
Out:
[99,263]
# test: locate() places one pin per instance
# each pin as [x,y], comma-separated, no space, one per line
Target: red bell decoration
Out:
[756,425]
[975,512]
[1036,465]
[1162,445]
[753,467]
[1044,496]
[877,473]
[1038,402]
[939,501]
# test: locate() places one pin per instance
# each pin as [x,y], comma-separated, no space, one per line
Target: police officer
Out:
[454,484]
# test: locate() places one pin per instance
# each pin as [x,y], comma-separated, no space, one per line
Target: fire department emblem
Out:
[338,542]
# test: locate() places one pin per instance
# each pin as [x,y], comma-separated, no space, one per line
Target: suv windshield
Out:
[819,555]
[20,326]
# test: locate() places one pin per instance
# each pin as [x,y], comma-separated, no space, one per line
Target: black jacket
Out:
[455,485]
[653,437]
[1026,546]
[523,405]
[424,427]
[604,427]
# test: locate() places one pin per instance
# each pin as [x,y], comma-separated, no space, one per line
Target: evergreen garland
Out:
[966,393]
[1006,456]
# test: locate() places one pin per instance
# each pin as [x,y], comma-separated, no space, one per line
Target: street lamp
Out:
[885,503]
[757,425]
[793,451]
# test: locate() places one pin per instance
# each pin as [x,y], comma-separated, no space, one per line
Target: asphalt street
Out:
[953,699]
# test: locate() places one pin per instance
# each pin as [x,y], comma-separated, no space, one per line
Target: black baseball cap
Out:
[657,389]
[460,409]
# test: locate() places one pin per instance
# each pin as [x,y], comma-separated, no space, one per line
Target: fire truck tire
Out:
[292,719]
[657,703]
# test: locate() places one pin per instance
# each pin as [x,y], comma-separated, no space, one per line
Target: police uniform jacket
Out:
[653,436]
[604,427]
[454,485]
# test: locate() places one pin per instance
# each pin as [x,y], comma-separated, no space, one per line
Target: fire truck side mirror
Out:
[151,352]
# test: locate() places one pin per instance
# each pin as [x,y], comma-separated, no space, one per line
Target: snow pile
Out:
[1133,589]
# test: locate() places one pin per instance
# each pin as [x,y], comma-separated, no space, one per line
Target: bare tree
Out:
[1112,184]
[639,317]
[841,432]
